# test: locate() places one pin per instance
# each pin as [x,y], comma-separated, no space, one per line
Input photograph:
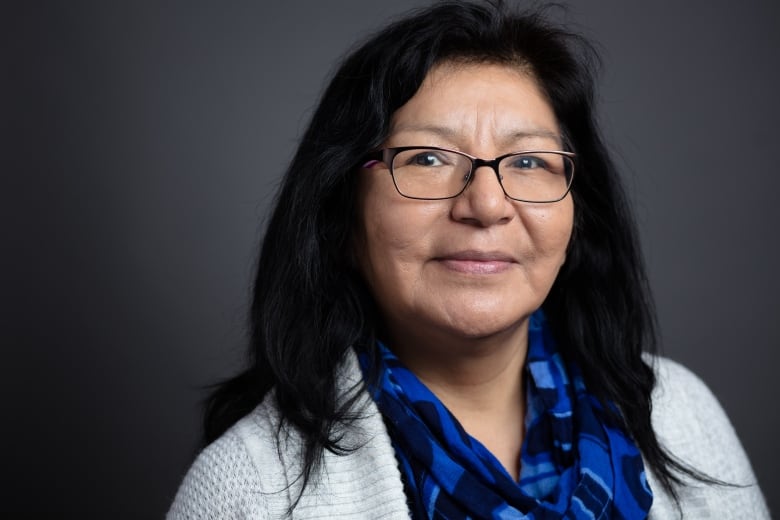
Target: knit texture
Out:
[244,474]
[691,424]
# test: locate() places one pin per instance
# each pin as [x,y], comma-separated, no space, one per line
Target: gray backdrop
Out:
[142,143]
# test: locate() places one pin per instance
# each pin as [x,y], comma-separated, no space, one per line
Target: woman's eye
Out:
[426,159]
[528,162]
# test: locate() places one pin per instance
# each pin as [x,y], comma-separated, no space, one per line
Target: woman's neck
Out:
[481,382]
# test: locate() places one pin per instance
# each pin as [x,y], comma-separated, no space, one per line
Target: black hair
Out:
[310,304]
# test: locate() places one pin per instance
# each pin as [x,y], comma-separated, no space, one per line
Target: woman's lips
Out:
[477,262]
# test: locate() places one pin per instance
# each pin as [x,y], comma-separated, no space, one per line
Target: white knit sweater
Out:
[245,475]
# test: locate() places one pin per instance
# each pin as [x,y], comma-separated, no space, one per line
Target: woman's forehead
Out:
[477,101]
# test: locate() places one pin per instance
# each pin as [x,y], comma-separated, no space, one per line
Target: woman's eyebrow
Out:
[509,137]
[441,131]
[537,133]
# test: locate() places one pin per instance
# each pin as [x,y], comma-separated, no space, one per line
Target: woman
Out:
[451,317]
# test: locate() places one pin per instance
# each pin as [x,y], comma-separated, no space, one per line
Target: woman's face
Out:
[477,265]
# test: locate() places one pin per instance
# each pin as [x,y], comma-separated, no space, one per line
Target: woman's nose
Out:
[483,202]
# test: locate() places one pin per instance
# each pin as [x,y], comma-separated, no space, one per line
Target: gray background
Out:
[142,143]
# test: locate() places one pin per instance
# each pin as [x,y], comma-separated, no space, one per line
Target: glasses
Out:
[433,173]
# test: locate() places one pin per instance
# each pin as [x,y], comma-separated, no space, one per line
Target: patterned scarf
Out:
[574,463]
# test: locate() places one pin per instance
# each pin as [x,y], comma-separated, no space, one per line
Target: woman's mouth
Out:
[477,262]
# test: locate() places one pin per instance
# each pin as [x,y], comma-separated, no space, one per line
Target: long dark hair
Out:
[310,305]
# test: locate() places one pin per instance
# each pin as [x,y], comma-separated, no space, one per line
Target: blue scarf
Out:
[575,463]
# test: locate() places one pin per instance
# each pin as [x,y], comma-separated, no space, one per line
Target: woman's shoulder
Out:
[254,469]
[690,422]
[678,388]
[685,410]
[224,481]
[692,425]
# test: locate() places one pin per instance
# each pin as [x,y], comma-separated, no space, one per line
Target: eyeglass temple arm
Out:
[374,158]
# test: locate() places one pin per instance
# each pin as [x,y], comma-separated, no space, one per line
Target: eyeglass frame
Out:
[387,156]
